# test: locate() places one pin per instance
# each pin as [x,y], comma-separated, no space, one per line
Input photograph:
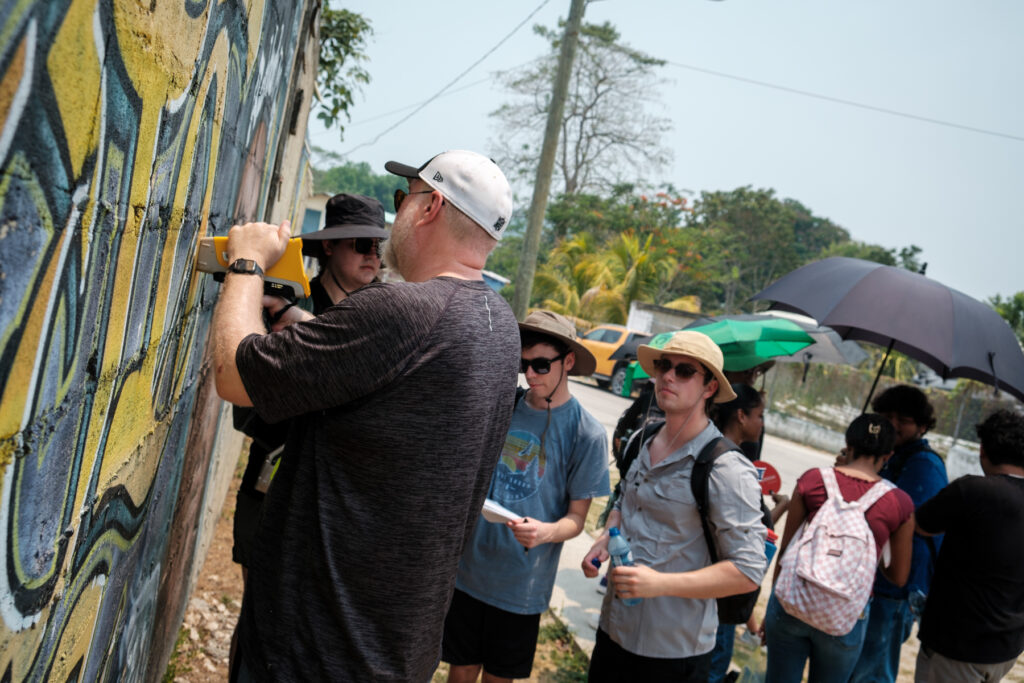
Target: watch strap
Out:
[245,266]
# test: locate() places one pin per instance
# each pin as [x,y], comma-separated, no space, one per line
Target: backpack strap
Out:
[873,494]
[870,497]
[699,477]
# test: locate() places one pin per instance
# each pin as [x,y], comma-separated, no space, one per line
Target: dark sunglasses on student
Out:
[400,196]
[683,370]
[541,366]
[366,245]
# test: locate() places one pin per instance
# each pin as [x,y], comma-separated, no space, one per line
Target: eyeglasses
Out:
[366,246]
[683,370]
[541,366]
[400,196]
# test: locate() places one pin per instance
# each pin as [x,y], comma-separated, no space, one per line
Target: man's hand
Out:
[599,551]
[637,581]
[262,242]
[531,533]
[283,313]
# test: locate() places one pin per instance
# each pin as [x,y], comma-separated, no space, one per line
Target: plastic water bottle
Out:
[770,545]
[621,557]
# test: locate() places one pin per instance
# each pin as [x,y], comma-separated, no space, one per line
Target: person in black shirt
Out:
[972,628]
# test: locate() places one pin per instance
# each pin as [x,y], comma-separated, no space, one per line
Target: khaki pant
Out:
[934,668]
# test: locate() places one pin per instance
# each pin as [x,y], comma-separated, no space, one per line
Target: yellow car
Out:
[613,346]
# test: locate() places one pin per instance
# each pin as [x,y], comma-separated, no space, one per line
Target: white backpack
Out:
[829,567]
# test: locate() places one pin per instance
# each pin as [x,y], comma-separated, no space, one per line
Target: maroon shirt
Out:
[884,517]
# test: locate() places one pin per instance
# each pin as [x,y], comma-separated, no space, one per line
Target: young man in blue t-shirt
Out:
[555,460]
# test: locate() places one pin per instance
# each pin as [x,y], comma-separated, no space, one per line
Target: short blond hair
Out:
[468,231]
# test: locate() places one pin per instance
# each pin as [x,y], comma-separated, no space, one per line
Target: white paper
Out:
[494,512]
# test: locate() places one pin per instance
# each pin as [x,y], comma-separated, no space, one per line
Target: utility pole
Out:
[542,185]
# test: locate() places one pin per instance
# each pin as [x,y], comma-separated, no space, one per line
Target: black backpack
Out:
[734,609]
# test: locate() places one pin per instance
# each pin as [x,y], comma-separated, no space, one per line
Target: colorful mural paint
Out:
[130,129]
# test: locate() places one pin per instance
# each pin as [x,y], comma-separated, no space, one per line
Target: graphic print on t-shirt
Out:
[520,469]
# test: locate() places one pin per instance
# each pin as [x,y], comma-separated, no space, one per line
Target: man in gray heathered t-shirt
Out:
[400,396]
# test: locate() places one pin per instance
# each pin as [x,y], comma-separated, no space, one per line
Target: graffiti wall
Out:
[130,129]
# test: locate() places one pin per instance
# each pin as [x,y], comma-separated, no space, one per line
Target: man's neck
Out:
[1011,470]
[559,398]
[677,432]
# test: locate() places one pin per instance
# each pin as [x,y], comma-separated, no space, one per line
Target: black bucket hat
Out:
[347,216]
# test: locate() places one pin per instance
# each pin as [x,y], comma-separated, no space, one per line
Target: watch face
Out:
[243,265]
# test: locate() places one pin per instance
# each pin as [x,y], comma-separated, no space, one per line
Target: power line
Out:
[849,103]
[450,84]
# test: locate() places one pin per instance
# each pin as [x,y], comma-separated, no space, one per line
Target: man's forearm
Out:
[714,581]
[236,316]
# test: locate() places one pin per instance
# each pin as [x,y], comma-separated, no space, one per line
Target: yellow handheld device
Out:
[285,278]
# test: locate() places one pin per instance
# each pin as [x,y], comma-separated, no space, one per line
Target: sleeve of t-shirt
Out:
[588,469]
[351,350]
[811,487]
[923,476]
[942,511]
[735,514]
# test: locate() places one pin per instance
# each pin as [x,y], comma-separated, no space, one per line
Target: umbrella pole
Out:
[877,375]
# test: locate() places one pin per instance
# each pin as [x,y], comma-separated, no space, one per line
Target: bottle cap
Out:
[614,531]
[596,562]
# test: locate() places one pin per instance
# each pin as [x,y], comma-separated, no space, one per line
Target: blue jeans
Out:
[791,642]
[888,628]
[722,654]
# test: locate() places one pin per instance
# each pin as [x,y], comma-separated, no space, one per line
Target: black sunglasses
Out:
[400,196]
[683,370]
[541,366]
[366,245]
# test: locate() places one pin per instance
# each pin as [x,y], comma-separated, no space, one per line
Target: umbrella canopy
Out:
[746,343]
[828,346]
[945,329]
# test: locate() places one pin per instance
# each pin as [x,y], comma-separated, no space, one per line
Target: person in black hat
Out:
[348,249]
[399,397]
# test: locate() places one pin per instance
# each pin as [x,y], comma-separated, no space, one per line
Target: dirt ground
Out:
[202,651]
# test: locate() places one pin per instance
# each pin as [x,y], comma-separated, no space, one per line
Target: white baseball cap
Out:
[471,182]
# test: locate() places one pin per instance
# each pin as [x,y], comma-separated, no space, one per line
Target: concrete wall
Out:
[130,129]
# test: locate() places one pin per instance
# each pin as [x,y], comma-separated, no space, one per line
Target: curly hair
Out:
[907,401]
[1002,438]
[747,399]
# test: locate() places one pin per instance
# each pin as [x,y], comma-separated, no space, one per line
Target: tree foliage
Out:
[1012,310]
[343,37]
[356,178]
[607,134]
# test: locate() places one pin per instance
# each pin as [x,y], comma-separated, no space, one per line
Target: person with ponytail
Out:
[791,641]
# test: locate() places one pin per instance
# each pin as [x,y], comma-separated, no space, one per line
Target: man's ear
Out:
[712,388]
[570,361]
[432,210]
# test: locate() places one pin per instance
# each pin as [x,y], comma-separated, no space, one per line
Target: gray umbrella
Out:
[953,334]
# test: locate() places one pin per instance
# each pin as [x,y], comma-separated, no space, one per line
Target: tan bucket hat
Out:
[562,329]
[696,345]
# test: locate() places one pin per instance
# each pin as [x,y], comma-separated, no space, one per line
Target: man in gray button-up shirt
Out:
[671,633]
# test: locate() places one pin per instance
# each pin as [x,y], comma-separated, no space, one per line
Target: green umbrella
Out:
[746,343]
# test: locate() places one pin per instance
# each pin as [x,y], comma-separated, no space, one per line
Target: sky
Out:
[945,172]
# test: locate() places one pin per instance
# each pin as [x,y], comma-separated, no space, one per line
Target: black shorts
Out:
[477,633]
[611,663]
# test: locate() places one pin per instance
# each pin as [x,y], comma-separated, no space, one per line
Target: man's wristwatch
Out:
[245,266]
